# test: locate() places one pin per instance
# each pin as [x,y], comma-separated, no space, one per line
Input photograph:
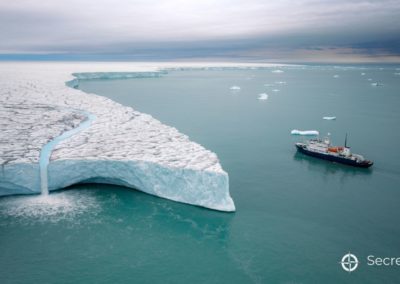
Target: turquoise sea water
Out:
[296,216]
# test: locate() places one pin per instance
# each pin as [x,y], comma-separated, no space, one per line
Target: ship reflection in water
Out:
[330,168]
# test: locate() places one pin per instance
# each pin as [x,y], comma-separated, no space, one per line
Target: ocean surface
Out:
[296,216]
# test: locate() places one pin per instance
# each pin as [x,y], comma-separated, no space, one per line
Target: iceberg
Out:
[263,97]
[329,117]
[304,132]
[120,146]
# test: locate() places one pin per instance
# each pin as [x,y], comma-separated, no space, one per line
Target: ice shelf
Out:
[122,146]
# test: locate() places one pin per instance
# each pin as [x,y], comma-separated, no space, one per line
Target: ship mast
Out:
[345,141]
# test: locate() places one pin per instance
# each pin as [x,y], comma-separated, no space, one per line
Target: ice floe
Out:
[263,97]
[304,132]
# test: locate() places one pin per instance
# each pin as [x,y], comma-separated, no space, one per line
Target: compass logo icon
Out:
[349,262]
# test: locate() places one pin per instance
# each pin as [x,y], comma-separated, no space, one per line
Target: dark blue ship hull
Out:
[342,160]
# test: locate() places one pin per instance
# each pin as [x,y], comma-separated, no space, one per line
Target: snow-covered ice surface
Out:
[121,146]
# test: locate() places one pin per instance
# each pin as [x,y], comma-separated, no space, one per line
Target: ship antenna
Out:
[345,141]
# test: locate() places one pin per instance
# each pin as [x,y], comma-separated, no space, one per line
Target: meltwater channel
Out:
[47,149]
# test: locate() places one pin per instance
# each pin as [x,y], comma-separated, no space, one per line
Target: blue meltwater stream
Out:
[47,149]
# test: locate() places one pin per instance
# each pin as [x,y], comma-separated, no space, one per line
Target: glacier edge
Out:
[201,188]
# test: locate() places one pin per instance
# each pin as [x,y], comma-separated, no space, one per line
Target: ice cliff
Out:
[121,146]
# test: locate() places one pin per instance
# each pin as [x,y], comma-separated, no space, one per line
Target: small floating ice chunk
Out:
[336,76]
[280,82]
[304,132]
[397,74]
[363,74]
[235,88]
[263,97]
[268,85]
[376,84]
[275,90]
[277,71]
[329,117]
[369,79]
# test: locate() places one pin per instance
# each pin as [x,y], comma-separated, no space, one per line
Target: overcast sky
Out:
[304,30]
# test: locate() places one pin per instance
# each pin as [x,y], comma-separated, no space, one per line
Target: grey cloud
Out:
[203,28]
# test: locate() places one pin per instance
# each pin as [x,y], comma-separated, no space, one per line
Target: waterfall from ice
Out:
[47,149]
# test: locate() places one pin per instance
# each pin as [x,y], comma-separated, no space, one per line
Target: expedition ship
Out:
[322,148]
